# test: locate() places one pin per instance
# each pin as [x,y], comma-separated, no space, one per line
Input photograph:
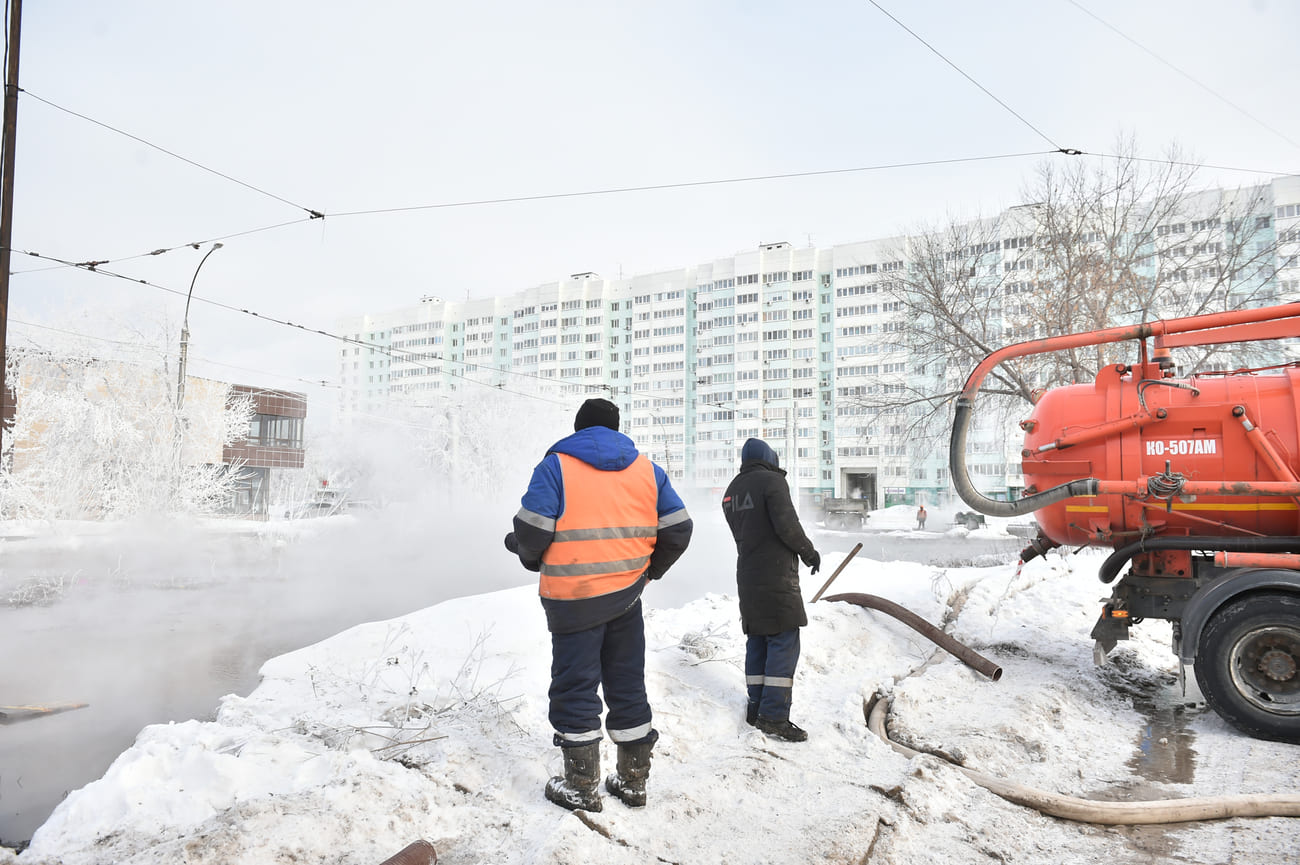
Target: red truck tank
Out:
[1195,484]
[1204,428]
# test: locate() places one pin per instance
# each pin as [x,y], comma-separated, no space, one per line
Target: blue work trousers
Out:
[769,672]
[610,656]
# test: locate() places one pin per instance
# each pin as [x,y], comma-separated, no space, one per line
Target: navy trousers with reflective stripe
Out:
[769,672]
[611,656]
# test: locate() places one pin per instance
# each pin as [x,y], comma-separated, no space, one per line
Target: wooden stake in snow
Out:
[853,552]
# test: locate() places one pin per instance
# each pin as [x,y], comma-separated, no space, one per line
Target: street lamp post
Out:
[185,332]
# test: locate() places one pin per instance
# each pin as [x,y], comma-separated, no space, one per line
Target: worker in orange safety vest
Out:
[599,520]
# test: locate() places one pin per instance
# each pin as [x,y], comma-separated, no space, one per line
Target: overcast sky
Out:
[337,108]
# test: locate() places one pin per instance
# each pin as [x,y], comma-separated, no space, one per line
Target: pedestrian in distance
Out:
[770,542]
[598,521]
[920,517]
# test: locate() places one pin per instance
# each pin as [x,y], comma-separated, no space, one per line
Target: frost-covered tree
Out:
[101,439]
[1100,243]
[482,438]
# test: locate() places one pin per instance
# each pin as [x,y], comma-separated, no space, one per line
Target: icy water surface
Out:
[148,631]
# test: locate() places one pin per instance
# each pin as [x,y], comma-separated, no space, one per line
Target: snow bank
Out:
[434,726]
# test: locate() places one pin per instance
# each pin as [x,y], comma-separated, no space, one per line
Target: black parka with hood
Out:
[769,543]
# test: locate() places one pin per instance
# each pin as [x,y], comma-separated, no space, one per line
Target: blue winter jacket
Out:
[543,503]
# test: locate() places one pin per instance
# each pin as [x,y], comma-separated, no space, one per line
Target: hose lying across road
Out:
[1111,813]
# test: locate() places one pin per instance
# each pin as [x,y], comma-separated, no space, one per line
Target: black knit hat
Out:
[596,412]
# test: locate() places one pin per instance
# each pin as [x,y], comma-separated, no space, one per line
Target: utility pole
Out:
[185,332]
[178,434]
[10,134]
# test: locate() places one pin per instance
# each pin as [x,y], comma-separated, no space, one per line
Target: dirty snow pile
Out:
[434,726]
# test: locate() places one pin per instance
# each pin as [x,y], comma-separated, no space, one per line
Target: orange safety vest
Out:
[605,536]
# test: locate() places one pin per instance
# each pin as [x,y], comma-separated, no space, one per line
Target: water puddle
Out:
[1164,747]
[1164,752]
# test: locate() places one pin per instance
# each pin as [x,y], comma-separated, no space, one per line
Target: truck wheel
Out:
[1248,665]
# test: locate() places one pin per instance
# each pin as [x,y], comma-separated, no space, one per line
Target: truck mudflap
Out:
[1112,626]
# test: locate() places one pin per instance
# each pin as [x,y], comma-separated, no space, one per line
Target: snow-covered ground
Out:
[433,726]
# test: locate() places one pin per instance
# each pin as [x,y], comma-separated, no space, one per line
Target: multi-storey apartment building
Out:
[798,346]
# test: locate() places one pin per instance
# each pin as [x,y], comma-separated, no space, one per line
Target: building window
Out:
[268,430]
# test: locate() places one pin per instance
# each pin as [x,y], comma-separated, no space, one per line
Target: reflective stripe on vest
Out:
[605,536]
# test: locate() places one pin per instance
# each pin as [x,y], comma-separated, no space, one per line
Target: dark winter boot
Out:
[633,770]
[751,714]
[577,790]
[782,730]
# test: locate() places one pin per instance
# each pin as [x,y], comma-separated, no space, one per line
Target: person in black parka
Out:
[769,544]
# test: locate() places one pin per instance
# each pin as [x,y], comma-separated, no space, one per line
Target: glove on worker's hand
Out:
[813,560]
[512,544]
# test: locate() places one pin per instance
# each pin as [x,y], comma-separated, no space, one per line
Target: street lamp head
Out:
[218,245]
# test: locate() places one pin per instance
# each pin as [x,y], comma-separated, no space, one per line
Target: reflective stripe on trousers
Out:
[774,681]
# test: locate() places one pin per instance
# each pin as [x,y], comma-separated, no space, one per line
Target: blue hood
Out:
[601,447]
[758,451]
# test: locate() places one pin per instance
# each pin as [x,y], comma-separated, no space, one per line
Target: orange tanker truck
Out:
[1194,483]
